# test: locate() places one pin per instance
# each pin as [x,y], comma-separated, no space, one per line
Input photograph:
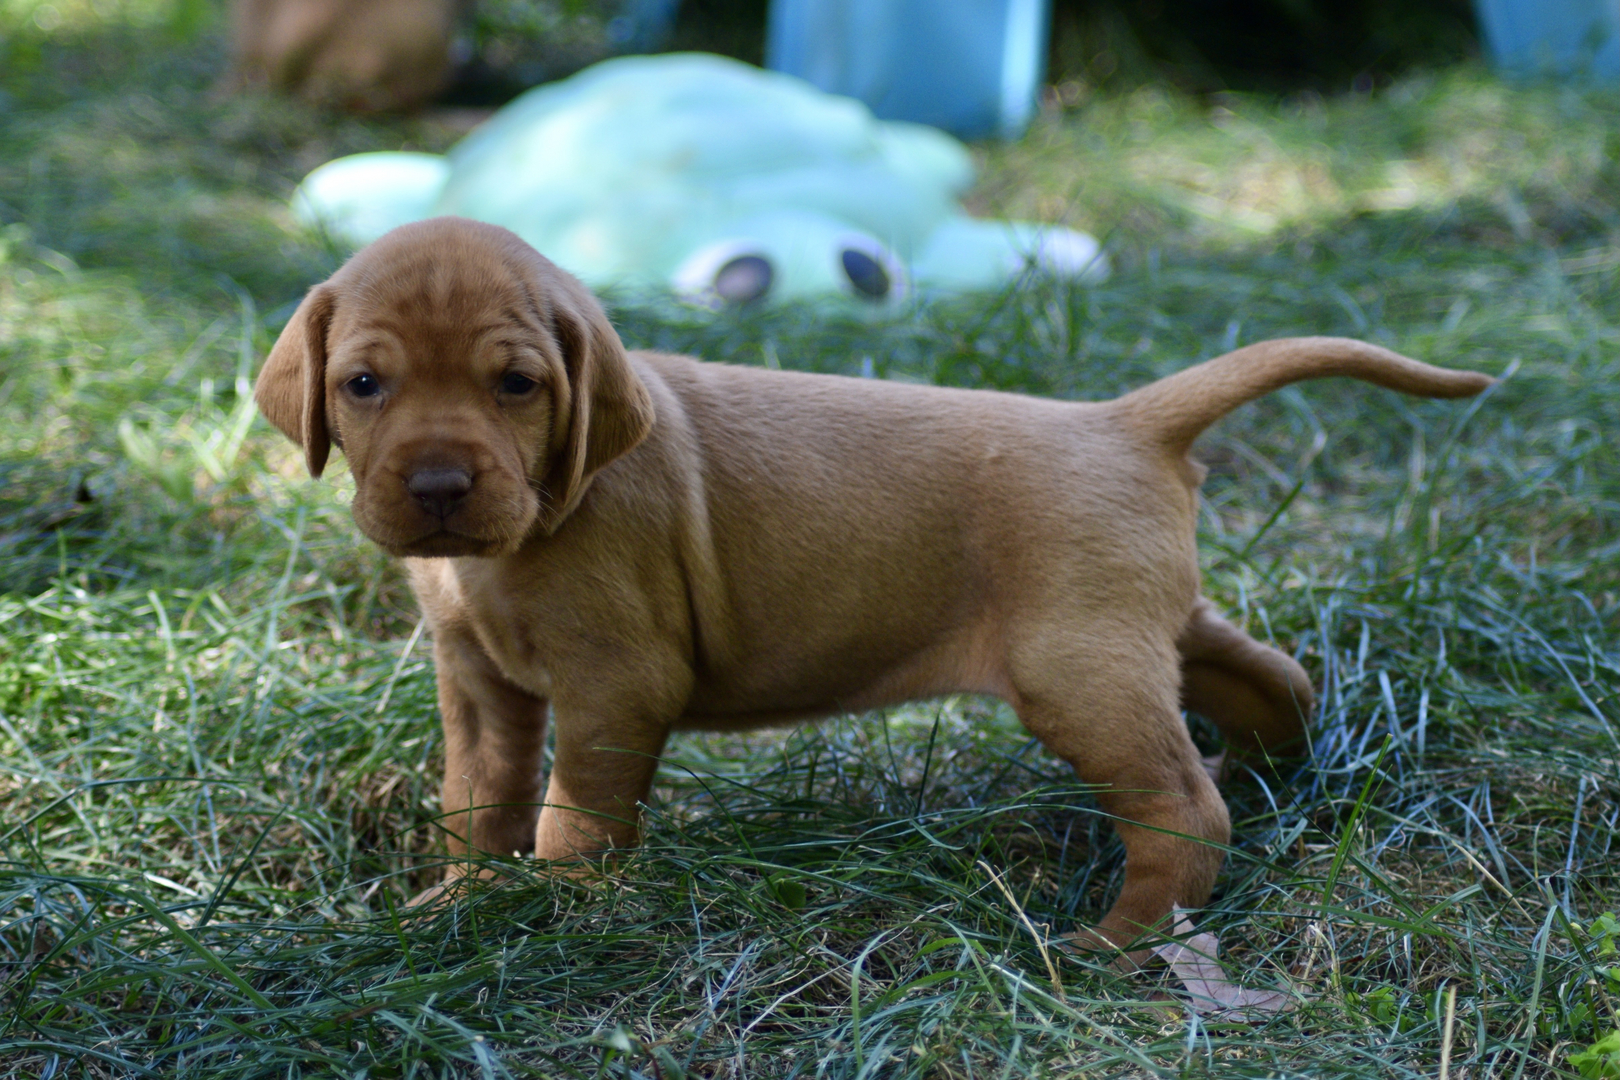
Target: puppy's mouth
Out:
[446,543]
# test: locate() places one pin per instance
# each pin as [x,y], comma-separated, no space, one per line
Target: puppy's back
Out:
[898,521]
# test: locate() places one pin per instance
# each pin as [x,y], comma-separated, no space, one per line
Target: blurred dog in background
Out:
[359,55]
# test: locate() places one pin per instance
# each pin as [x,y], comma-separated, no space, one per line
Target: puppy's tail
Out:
[1175,410]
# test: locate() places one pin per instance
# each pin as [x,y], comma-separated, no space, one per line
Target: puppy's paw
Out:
[455,882]
[1112,947]
[426,900]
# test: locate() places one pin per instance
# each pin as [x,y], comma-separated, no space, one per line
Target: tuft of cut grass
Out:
[217,732]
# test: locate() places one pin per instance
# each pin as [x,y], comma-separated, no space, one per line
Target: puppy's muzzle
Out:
[439,491]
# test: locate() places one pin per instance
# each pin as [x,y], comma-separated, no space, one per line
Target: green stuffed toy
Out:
[711,178]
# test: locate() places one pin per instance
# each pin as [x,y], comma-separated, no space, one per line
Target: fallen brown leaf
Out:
[1193,960]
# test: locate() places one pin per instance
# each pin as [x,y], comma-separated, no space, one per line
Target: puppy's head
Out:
[474,387]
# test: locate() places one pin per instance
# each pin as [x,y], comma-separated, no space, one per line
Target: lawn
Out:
[218,740]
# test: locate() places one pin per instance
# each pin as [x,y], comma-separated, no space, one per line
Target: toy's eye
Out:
[745,278]
[867,274]
[726,272]
[363,386]
[516,384]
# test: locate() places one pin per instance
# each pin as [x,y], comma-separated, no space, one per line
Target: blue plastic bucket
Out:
[1560,38]
[971,67]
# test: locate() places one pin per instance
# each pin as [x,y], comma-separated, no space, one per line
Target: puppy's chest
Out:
[491,613]
[518,644]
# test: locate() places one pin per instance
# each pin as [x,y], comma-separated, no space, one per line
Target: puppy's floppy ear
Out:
[608,409]
[291,391]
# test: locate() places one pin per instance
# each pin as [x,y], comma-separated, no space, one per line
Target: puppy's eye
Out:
[513,383]
[363,386]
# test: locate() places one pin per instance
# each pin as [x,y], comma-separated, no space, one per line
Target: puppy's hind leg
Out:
[1110,711]
[1258,696]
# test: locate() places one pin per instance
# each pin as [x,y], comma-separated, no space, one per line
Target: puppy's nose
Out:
[439,491]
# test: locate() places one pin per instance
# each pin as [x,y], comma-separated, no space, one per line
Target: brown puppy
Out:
[363,55]
[646,543]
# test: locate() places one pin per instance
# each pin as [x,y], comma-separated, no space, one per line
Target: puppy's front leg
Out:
[601,773]
[493,736]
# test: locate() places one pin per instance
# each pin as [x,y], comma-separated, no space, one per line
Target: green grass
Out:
[220,755]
